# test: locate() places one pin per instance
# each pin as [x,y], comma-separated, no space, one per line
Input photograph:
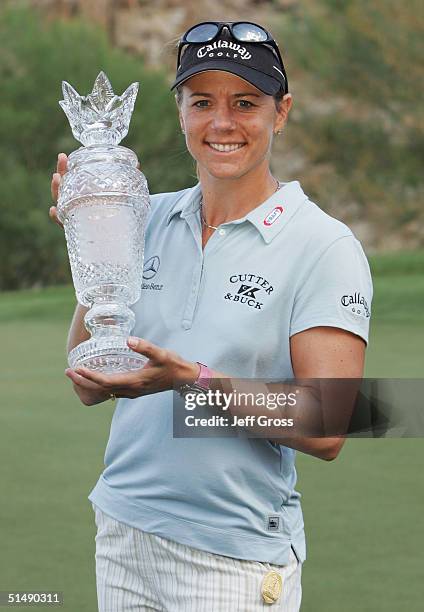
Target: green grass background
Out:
[363,512]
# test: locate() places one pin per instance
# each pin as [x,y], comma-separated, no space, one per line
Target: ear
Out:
[180,115]
[283,112]
[181,123]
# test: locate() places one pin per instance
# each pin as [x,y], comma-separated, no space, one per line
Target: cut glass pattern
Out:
[100,117]
[103,205]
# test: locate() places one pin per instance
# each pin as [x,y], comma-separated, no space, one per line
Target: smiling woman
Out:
[229,126]
[247,284]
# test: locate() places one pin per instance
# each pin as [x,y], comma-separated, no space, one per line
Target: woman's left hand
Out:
[164,370]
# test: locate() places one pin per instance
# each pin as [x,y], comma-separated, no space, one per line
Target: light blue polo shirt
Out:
[285,267]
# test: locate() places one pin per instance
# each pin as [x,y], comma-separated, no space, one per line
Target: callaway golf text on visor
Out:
[244,49]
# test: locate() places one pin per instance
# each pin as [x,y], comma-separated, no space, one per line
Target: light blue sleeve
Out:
[336,290]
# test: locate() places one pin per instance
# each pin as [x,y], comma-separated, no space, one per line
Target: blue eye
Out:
[245,103]
[201,103]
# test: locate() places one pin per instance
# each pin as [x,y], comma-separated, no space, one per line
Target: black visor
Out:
[256,63]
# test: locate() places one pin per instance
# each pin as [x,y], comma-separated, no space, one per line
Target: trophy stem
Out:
[110,324]
[106,319]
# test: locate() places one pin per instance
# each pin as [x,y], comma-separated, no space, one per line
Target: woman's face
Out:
[229,123]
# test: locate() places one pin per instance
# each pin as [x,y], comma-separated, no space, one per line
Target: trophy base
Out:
[109,355]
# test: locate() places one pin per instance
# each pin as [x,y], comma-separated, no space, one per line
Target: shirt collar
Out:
[188,203]
[271,216]
[268,218]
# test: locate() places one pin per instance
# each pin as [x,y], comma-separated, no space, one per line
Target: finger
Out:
[62,163]
[53,216]
[82,381]
[107,381]
[54,187]
[150,350]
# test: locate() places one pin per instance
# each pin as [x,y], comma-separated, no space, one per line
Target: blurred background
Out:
[355,141]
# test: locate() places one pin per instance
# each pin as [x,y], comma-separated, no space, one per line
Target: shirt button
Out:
[221,232]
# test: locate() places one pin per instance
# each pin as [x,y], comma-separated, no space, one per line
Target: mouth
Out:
[226,147]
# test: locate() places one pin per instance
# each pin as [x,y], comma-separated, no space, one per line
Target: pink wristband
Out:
[205,376]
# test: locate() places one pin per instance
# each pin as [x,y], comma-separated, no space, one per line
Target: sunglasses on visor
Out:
[243,31]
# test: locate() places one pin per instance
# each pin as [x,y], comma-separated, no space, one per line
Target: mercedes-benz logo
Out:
[151,267]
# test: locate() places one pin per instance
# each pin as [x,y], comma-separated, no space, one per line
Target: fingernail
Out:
[132,341]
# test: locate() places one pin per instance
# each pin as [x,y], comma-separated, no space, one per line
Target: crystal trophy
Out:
[103,204]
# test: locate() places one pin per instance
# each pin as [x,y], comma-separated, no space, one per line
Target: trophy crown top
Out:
[101,117]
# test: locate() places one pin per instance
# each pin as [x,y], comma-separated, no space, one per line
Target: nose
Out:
[223,118]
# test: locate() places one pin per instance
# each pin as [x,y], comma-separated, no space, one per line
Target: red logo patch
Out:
[273,215]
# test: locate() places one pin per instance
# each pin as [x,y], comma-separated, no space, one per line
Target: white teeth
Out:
[225,147]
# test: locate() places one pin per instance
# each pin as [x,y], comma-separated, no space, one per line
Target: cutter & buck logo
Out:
[248,289]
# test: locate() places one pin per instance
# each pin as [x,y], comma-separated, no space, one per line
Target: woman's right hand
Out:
[61,168]
[89,392]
